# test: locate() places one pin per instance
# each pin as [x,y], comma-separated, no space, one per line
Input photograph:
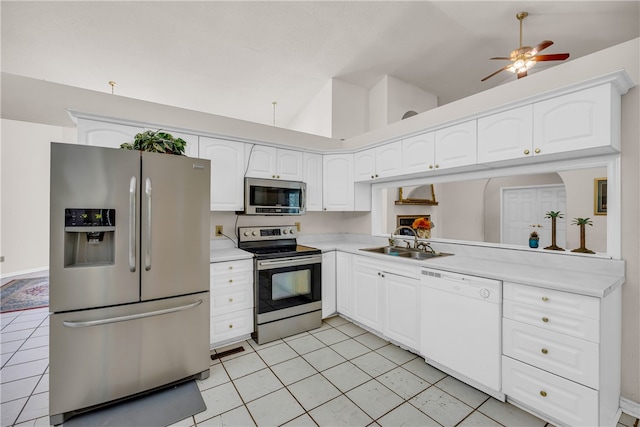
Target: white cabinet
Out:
[312,168]
[381,162]
[231,301]
[329,302]
[402,310]
[337,182]
[418,153]
[455,146]
[344,284]
[105,134]
[227,172]
[561,354]
[581,120]
[506,135]
[367,293]
[274,163]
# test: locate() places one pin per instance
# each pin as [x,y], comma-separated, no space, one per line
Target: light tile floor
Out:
[336,375]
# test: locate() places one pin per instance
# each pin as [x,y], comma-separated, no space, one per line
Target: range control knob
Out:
[246,233]
[254,233]
[285,231]
[484,293]
[292,231]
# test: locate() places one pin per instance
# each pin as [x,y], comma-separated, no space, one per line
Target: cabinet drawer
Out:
[566,401]
[232,325]
[552,300]
[548,319]
[221,268]
[234,279]
[231,298]
[569,357]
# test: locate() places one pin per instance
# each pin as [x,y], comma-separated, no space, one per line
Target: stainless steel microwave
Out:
[274,197]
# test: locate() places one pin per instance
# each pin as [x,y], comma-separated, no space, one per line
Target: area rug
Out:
[24,294]
[156,409]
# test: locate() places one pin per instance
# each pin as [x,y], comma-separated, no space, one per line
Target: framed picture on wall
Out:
[600,196]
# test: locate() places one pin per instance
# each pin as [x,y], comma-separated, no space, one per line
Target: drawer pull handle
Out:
[537,151]
[545,299]
[231,300]
[526,151]
[230,280]
[543,393]
[545,319]
[544,351]
[231,267]
[230,326]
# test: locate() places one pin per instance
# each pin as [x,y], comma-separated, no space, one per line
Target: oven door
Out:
[287,287]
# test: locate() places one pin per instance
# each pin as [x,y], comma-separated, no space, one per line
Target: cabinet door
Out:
[344,284]
[389,160]
[456,145]
[105,134]
[312,168]
[262,161]
[367,294]
[418,153]
[329,304]
[364,165]
[289,165]
[576,121]
[506,135]
[337,182]
[402,310]
[227,172]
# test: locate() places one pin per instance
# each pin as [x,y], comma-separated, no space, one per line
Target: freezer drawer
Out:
[97,356]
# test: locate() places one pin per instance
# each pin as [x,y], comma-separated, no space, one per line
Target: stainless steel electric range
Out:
[287,280]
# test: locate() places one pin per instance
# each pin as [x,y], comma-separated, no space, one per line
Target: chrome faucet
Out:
[415,236]
[425,247]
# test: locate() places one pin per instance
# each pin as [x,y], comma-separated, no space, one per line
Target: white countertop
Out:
[577,274]
[223,249]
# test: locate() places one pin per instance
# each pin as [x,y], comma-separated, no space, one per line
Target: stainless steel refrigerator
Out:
[129,274]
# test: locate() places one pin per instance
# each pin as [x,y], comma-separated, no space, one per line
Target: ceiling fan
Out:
[525,57]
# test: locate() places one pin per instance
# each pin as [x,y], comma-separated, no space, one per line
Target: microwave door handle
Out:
[132,224]
[304,198]
[147,255]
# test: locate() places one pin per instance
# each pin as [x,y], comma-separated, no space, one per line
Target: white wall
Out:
[378,101]
[350,114]
[316,118]
[25,193]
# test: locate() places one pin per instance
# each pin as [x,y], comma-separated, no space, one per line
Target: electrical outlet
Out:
[297,226]
[218,230]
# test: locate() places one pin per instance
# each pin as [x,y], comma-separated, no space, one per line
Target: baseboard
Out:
[24,272]
[630,407]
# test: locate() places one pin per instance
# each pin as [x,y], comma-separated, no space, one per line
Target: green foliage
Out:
[156,142]
[552,214]
[582,221]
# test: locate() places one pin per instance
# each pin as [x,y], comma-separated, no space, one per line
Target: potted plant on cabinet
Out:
[156,142]
[582,222]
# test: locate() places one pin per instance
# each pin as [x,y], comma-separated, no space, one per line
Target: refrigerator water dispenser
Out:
[89,238]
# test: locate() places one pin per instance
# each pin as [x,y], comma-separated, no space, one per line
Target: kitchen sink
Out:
[405,252]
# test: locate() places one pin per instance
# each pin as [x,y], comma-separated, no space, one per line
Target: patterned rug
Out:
[24,294]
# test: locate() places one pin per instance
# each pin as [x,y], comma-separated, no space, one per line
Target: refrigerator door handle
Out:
[84,324]
[132,224]
[147,255]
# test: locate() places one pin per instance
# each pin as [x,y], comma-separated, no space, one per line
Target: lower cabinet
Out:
[402,310]
[344,283]
[561,354]
[231,301]
[329,302]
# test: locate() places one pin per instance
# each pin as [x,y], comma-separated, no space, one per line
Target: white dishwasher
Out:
[461,327]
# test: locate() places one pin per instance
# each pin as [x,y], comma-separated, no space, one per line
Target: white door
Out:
[524,209]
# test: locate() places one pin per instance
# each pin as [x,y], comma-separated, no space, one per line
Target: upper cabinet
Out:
[580,120]
[455,146]
[105,134]
[274,163]
[312,168]
[506,135]
[381,162]
[337,182]
[227,172]
[418,153]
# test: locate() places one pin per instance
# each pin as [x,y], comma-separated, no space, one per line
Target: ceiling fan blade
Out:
[493,74]
[501,57]
[543,45]
[551,57]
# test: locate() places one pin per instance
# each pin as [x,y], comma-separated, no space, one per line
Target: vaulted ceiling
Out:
[234,58]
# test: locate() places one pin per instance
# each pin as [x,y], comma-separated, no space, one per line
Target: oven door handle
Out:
[289,262]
